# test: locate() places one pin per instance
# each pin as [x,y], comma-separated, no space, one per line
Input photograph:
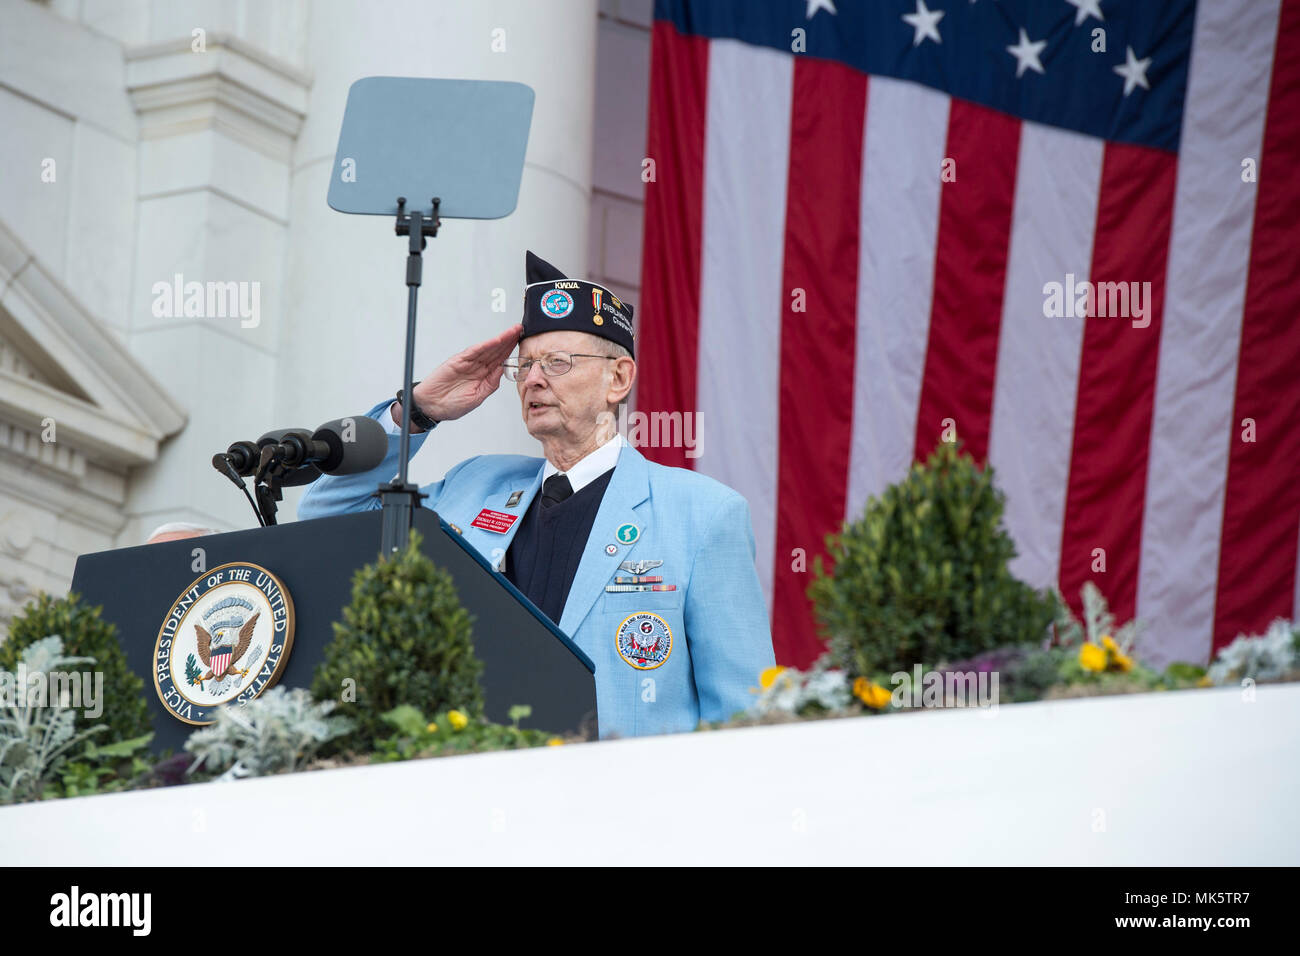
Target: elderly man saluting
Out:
[649,569]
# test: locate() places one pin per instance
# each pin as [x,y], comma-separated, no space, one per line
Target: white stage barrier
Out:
[1176,778]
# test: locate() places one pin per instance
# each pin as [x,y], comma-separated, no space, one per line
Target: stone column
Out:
[218,116]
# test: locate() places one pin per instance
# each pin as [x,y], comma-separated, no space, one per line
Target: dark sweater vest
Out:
[544,555]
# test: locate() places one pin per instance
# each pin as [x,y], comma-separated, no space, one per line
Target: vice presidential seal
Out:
[644,640]
[226,638]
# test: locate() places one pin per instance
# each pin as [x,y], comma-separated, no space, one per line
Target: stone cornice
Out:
[103,400]
[233,87]
[223,41]
[25,405]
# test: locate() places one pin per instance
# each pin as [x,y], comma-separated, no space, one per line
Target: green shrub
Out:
[404,639]
[451,732]
[922,576]
[121,765]
[84,634]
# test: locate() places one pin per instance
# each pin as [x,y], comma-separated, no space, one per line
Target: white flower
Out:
[792,690]
[829,688]
[1262,657]
[785,694]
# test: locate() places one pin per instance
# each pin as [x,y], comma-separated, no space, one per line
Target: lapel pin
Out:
[628,533]
[639,567]
[611,549]
[514,498]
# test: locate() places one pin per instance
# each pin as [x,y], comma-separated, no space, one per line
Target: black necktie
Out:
[555,489]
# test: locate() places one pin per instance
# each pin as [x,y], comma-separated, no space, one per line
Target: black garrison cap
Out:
[552,302]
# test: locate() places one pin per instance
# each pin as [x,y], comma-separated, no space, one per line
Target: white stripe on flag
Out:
[746,159]
[1223,124]
[1031,437]
[904,138]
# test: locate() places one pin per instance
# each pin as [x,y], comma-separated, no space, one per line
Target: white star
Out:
[1086,9]
[1134,72]
[815,5]
[1026,54]
[925,22]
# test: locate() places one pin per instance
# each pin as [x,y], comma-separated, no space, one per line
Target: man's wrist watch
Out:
[417,417]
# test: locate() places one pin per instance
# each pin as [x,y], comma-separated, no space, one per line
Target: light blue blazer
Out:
[699,528]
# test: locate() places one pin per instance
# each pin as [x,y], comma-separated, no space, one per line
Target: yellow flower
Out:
[432,728]
[555,742]
[871,694]
[457,720]
[878,698]
[1092,657]
[1205,681]
[768,677]
[1115,659]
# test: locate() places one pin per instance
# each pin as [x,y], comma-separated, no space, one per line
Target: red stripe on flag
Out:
[668,322]
[1261,511]
[970,272]
[817,344]
[1117,378]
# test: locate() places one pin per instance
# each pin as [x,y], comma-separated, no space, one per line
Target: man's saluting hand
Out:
[460,384]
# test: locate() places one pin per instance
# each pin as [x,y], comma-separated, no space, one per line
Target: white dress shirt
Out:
[592,466]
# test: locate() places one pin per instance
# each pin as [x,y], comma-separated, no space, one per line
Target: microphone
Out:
[293,444]
[241,459]
[344,446]
[349,445]
[241,456]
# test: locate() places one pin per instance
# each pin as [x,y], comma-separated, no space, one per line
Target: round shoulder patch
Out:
[644,640]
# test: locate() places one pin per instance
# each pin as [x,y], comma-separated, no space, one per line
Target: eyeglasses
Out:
[556,363]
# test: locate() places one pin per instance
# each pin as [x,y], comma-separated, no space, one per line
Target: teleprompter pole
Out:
[399,498]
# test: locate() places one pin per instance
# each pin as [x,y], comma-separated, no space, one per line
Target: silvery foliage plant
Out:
[278,731]
[793,690]
[1257,657]
[1097,622]
[35,740]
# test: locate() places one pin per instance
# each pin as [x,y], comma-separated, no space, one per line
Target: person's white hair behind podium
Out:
[176,531]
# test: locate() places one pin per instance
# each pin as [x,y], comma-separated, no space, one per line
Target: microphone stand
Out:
[266,484]
[399,498]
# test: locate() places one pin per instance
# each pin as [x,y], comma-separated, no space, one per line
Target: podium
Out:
[526,658]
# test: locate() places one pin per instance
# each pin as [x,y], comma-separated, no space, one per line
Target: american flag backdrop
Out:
[827,299]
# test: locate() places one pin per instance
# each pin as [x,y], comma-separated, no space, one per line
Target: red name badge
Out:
[497,521]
